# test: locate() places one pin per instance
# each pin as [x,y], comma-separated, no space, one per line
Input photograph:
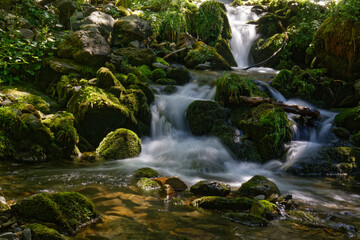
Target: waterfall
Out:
[243,34]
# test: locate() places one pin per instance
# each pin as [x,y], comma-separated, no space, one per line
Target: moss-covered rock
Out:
[222,47]
[106,79]
[146,172]
[247,219]
[120,144]
[180,74]
[215,202]
[101,112]
[263,48]
[269,128]
[355,139]
[4,205]
[207,188]
[265,209]
[166,81]
[349,119]
[135,56]
[147,184]
[337,48]
[202,116]
[42,232]
[258,185]
[157,73]
[65,88]
[233,86]
[145,88]
[69,211]
[302,216]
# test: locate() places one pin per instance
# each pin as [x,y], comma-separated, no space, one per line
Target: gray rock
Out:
[102,20]
[27,234]
[160,65]
[134,44]
[78,15]
[7,235]
[128,29]
[26,33]
[87,47]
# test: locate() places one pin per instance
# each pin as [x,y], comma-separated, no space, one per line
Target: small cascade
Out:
[243,34]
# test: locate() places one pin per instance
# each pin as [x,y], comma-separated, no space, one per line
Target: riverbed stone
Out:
[247,219]
[120,144]
[210,188]
[146,172]
[218,203]
[147,184]
[180,74]
[175,182]
[258,185]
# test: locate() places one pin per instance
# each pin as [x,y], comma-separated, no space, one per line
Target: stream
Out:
[173,151]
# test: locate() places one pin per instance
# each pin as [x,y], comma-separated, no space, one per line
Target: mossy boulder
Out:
[247,219]
[69,211]
[157,73]
[210,188]
[147,185]
[135,56]
[87,47]
[42,232]
[145,88]
[106,79]
[218,203]
[222,47]
[265,209]
[349,119]
[233,86]
[180,74]
[98,112]
[4,205]
[302,217]
[337,48]
[263,48]
[64,89]
[120,144]
[202,116]
[65,134]
[269,128]
[146,172]
[128,29]
[258,185]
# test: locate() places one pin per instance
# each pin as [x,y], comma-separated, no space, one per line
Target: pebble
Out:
[27,234]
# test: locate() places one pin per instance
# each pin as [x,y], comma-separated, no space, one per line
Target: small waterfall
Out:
[243,34]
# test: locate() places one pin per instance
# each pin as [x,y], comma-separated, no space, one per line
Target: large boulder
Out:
[223,48]
[337,48]
[98,112]
[69,211]
[87,47]
[120,144]
[258,185]
[349,119]
[128,29]
[180,74]
[136,56]
[102,20]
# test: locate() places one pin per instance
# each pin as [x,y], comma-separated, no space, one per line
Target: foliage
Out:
[172,25]
[348,9]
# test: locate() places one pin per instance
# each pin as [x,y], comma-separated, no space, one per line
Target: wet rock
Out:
[147,184]
[27,234]
[68,211]
[135,56]
[302,216]
[175,182]
[247,219]
[146,172]
[120,144]
[258,185]
[215,202]
[349,119]
[106,79]
[87,47]
[223,48]
[208,188]
[42,232]
[128,29]
[341,133]
[265,209]
[101,20]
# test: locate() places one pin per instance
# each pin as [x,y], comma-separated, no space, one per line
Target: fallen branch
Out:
[179,50]
[275,53]
[255,101]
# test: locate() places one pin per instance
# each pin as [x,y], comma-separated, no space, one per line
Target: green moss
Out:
[157,73]
[106,79]
[7,148]
[10,122]
[355,139]
[145,71]
[145,88]
[349,119]
[172,25]
[202,116]
[147,184]
[258,185]
[65,89]
[247,219]
[41,232]
[214,202]
[146,172]
[161,60]
[165,81]
[68,210]
[264,208]
[302,216]
[120,144]
[232,86]
[206,188]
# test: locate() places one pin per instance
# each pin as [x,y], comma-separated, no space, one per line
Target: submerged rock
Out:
[68,210]
[174,182]
[216,202]
[208,188]
[120,144]
[247,219]
[147,185]
[258,185]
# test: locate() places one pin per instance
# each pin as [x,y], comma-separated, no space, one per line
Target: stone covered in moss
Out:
[106,79]
[337,49]
[264,208]
[258,185]
[65,89]
[180,74]
[135,56]
[147,184]
[120,144]
[223,48]
[269,128]
[166,81]
[247,219]
[146,172]
[216,202]
[4,205]
[97,113]
[302,216]
[68,210]
[349,119]
[202,116]
[157,73]
[42,232]
[233,86]
[65,134]
[207,188]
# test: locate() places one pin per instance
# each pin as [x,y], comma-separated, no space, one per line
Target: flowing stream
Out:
[173,151]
